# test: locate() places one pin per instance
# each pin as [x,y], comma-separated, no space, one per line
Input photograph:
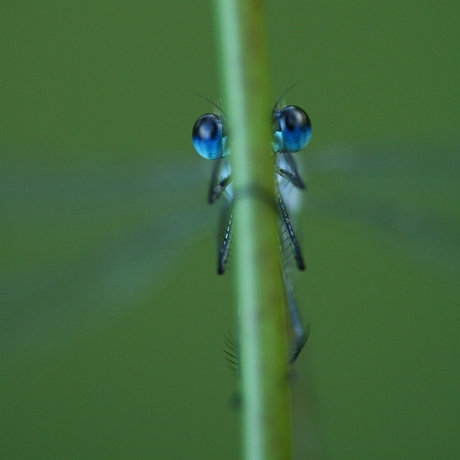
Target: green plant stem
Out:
[267,425]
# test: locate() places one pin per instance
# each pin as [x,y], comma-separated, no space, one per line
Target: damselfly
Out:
[291,133]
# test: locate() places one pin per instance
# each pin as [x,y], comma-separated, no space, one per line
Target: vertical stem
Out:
[267,425]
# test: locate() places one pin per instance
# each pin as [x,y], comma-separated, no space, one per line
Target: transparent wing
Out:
[83,243]
[409,194]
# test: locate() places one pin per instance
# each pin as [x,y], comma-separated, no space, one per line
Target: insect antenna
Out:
[281,97]
[211,102]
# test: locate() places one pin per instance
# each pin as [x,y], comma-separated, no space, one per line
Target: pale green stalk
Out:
[267,425]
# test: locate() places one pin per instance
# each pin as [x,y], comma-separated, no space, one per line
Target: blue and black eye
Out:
[292,129]
[208,137]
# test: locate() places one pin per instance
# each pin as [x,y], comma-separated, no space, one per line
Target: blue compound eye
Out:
[292,129]
[208,137]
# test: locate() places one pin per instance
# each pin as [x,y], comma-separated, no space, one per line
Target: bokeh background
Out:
[112,319]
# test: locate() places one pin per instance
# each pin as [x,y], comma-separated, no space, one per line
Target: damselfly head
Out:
[209,137]
[291,129]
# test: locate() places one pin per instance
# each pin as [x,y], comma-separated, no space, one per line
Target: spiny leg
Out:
[301,335]
[218,185]
[225,238]
[292,174]
[290,232]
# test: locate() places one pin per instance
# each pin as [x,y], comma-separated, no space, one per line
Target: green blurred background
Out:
[112,319]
